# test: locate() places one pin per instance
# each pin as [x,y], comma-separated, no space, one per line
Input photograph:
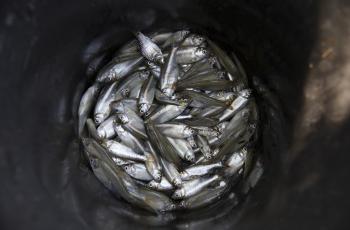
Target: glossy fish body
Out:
[236,105]
[190,54]
[86,104]
[138,171]
[199,99]
[116,71]
[163,185]
[147,95]
[106,129]
[235,162]
[102,108]
[129,139]
[122,151]
[183,149]
[164,99]
[133,122]
[167,113]
[195,171]
[171,173]
[204,146]
[149,49]
[175,130]
[169,74]
[152,167]
[191,188]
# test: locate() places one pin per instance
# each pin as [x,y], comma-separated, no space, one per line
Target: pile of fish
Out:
[169,122]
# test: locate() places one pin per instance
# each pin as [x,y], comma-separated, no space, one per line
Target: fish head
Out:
[168,92]
[182,204]
[157,175]
[212,61]
[93,162]
[197,40]
[118,161]
[144,74]
[99,118]
[188,131]
[143,108]
[201,52]
[190,157]
[177,182]
[159,58]
[178,194]
[123,118]
[245,93]
[101,133]
[125,92]
[152,184]
[221,75]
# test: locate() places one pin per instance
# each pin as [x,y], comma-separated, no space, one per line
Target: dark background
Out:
[299,49]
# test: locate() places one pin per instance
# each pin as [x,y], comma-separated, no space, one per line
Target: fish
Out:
[193,187]
[193,40]
[149,49]
[169,74]
[152,167]
[183,149]
[205,65]
[138,171]
[122,151]
[167,112]
[190,54]
[235,162]
[171,172]
[92,129]
[200,100]
[106,129]
[86,105]
[204,198]
[121,162]
[203,84]
[162,144]
[120,105]
[133,123]
[155,201]
[156,157]
[154,68]
[131,86]
[200,121]
[129,139]
[204,146]
[114,71]
[164,99]
[206,131]
[236,105]
[146,96]
[163,185]
[176,38]
[175,130]
[102,107]
[196,171]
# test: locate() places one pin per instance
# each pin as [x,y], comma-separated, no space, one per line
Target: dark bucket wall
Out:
[296,48]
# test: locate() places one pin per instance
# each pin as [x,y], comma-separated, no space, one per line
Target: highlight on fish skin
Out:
[169,121]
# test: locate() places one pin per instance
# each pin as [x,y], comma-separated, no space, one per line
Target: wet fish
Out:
[102,108]
[138,171]
[196,171]
[122,151]
[167,112]
[86,105]
[193,187]
[171,173]
[117,70]
[206,131]
[106,129]
[133,122]
[175,130]
[120,105]
[169,74]
[193,40]
[164,99]
[205,197]
[190,54]
[129,139]
[176,38]
[183,149]
[200,121]
[235,162]
[204,146]
[152,167]
[199,99]
[162,144]
[200,83]
[236,105]
[92,129]
[163,185]
[147,95]
[149,49]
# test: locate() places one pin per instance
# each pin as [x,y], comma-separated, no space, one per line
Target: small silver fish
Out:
[152,167]
[122,151]
[115,71]
[167,112]
[163,185]
[106,128]
[138,171]
[149,49]
[129,139]
[169,74]
[147,95]
[236,105]
[193,40]
[203,144]
[205,197]
[183,149]
[190,54]
[175,130]
[195,171]
[235,162]
[86,104]
[171,173]
[176,38]
[193,187]
[133,122]
[102,108]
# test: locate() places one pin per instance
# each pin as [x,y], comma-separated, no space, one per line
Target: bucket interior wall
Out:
[45,47]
